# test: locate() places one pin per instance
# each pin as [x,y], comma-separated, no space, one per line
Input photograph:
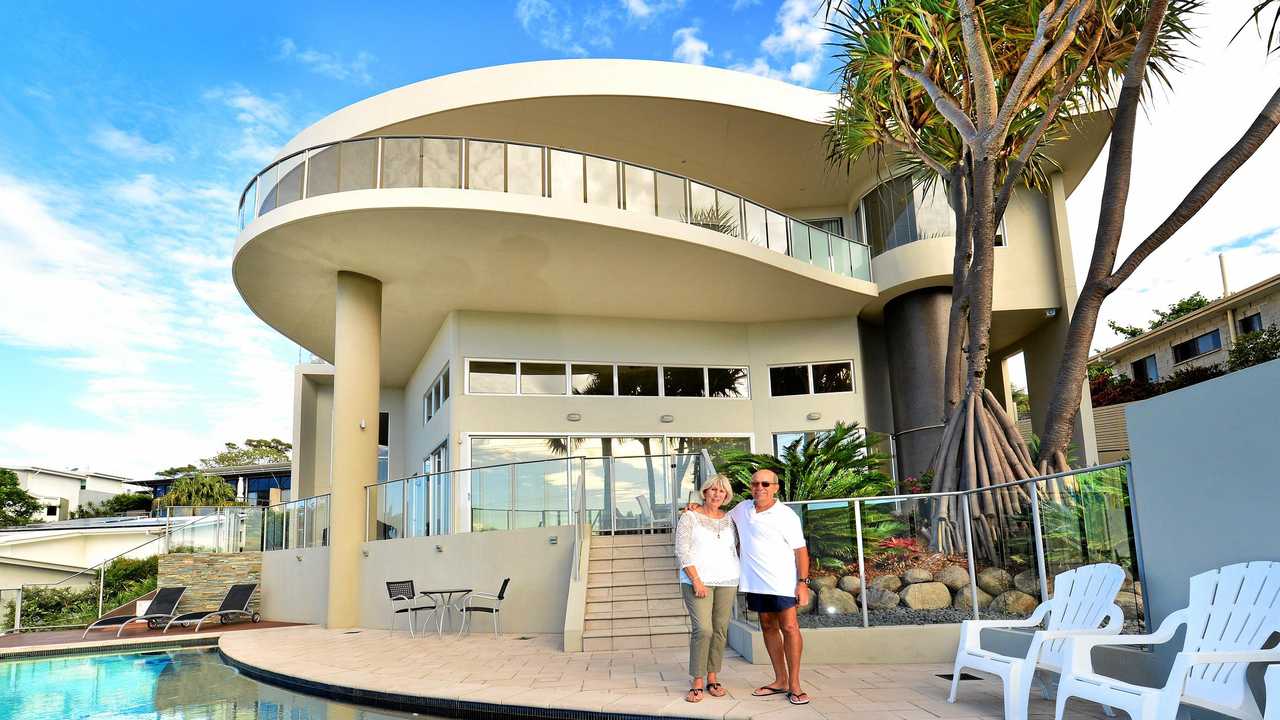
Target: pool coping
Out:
[403,702]
[103,647]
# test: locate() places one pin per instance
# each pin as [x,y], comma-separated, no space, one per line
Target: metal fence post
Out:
[968,543]
[102,582]
[1038,532]
[862,568]
[515,498]
[17,611]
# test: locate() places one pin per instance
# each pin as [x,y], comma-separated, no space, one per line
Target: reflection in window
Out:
[683,382]
[1251,323]
[777,228]
[602,182]
[359,165]
[485,165]
[833,377]
[819,248]
[897,213]
[531,494]
[728,382]
[754,224]
[441,163]
[592,379]
[789,380]
[524,169]
[542,378]
[799,240]
[566,176]
[401,162]
[638,183]
[1197,346]
[491,377]
[384,446]
[671,199]
[831,225]
[729,209]
[638,380]
[1145,370]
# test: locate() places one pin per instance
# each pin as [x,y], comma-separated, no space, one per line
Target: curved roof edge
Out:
[567,78]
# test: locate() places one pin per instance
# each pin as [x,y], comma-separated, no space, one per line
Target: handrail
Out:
[475,467]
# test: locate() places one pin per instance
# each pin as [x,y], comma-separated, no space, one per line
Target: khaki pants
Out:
[710,618]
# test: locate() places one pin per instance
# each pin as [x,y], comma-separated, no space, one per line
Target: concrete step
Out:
[634,642]
[664,562]
[621,593]
[627,552]
[654,538]
[662,576]
[628,631]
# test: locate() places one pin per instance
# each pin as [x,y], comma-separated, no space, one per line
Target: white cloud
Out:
[262,123]
[329,64]
[689,47]
[1213,102]
[743,4]
[796,48]
[544,21]
[130,146]
[642,12]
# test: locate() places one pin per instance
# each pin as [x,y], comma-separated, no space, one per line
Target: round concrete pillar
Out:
[356,384]
[916,335]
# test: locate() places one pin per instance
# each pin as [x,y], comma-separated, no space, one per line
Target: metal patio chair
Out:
[235,603]
[405,601]
[494,608]
[161,608]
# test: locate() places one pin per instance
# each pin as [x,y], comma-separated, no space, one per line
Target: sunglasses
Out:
[762,484]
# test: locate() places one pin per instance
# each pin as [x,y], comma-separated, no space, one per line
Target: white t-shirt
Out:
[768,541]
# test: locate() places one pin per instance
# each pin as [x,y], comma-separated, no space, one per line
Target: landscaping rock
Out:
[752,616]
[953,576]
[964,599]
[892,583]
[926,596]
[810,605]
[823,581]
[850,584]
[1028,581]
[878,599]
[995,580]
[833,601]
[917,575]
[1014,602]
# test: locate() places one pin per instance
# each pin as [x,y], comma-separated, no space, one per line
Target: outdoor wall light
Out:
[298,558]
[667,418]
[362,552]
[553,540]
[439,548]
[362,425]
[573,417]
[813,416]
[1051,312]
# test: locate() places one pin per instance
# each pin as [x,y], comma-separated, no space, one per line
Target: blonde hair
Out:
[719,480]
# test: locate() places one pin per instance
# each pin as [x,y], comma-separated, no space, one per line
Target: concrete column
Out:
[915,328]
[357,359]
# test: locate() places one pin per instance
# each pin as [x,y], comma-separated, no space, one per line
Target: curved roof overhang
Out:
[438,250]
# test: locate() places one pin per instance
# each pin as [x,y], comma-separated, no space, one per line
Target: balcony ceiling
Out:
[443,250]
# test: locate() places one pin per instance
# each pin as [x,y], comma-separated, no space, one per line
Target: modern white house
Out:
[610,258]
[62,492]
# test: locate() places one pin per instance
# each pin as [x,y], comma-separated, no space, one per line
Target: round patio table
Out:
[445,602]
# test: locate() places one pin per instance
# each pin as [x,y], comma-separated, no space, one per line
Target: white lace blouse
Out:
[710,546]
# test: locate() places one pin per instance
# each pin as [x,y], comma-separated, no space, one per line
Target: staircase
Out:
[633,594]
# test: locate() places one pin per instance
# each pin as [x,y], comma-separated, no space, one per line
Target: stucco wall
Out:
[295,585]
[539,573]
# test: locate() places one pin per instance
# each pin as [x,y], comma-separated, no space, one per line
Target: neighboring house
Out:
[615,257]
[62,492]
[263,484]
[56,551]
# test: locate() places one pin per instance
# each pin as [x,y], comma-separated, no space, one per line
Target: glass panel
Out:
[671,197]
[267,190]
[441,163]
[524,169]
[602,182]
[566,176]
[541,378]
[907,584]
[799,240]
[729,213]
[592,379]
[819,248]
[401,162]
[832,377]
[416,506]
[840,256]
[890,215]
[640,193]
[388,505]
[290,187]
[934,217]
[637,380]
[273,529]
[777,227]
[322,519]
[444,386]
[789,380]
[359,165]
[728,382]
[485,165]
[830,530]
[494,489]
[683,382]
[486,377]
[1004,551]
[322,171]
[542,494]
[249,205]
[641,493]
[860,257]
[756,231]
[702,207]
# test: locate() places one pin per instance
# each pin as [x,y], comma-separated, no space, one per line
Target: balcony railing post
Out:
[515,498]
[968,544]
[862,566]
[1038,532]
[17,611]
[102,581]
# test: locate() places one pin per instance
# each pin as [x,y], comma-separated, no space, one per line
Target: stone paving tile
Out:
[534,672]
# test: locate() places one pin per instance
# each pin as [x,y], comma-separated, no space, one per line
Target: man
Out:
[775,577]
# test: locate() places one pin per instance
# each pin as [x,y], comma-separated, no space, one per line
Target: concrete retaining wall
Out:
[208,576]
[295,585]
[892,645]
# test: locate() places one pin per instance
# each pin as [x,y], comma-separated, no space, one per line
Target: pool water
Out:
[191,684]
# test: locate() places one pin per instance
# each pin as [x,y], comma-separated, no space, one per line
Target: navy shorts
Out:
[762,603]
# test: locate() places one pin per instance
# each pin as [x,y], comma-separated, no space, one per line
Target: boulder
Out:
[964,599]
[822,581]
[1013,602]
[917,575]
[803,608]
[1028,581]
[878,599]
[995,580]
[892,583]
[834,601]
[850,584]
[953,576]
[926,596]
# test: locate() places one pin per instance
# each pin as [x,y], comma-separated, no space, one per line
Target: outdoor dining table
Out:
[444,603]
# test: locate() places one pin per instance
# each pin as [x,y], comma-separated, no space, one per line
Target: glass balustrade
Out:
[302,523]
[494,166]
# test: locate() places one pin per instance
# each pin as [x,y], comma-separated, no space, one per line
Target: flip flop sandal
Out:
[694,696]
[794,698]
[768,691]
[713,687]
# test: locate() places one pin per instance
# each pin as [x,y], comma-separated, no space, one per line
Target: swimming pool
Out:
[189,684]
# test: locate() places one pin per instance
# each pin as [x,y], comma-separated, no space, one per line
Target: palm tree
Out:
[839,463]
[198,490]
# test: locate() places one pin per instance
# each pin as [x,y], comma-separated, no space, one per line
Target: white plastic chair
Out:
[1082,599]
[1231,614]
[1273,693]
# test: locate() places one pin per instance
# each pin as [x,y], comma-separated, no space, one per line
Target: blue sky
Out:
[127,131]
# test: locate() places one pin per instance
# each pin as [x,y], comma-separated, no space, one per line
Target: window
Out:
[638,380]
[728,382]
[51,511]
[486,377]
[384,446]
[1144,370]
[1251,323]
[831,225]
[1197,346]
[828,377]
[683,382]
[542,378]
[435,396]
[592,379]
[535,377]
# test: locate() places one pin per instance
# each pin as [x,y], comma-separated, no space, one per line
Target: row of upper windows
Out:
[435,396]
[1147,370]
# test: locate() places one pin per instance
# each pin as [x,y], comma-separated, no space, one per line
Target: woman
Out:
[706,549]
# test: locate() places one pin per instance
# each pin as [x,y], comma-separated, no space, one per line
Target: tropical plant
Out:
[198,490]
[714,218]
[1253,348]
[17,506]
[1088,524]
[48,606]
[838,463]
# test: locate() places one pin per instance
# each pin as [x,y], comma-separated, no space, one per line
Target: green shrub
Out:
[125,579]
[1254,348]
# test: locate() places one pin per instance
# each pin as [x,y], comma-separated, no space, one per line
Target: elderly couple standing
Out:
[773,572]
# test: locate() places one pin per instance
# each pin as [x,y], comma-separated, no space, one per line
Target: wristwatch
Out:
[806,581]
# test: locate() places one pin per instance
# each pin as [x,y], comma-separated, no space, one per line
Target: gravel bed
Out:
[907,616]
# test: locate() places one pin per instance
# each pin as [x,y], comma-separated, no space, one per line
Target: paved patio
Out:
[532,671]
[16,644]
